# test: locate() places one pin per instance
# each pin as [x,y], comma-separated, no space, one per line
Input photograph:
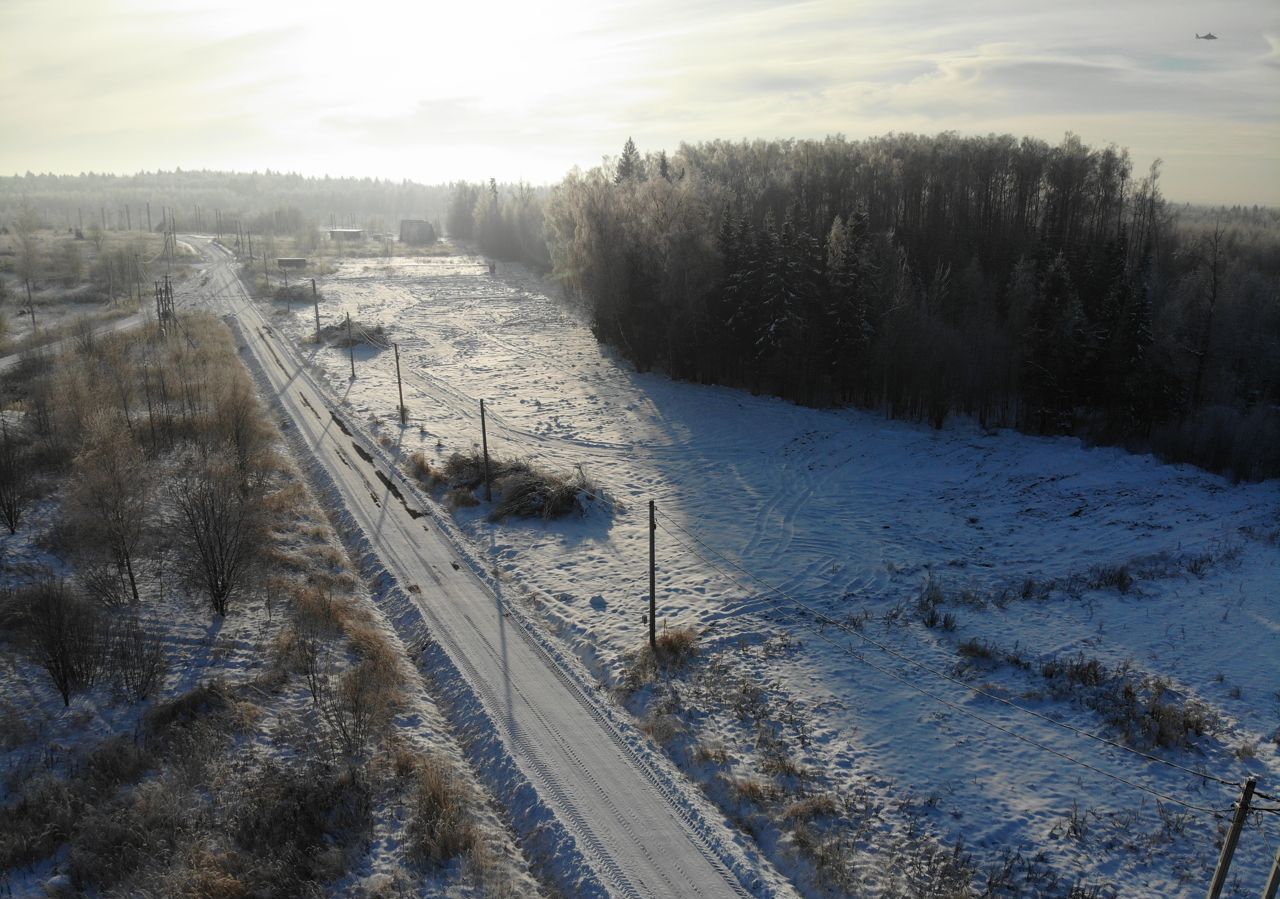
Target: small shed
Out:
[417,231]
[291,262]
[346,234]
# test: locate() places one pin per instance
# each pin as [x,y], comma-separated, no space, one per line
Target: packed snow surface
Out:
[811,529]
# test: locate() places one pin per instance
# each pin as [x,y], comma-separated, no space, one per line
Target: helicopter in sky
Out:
[1209,36]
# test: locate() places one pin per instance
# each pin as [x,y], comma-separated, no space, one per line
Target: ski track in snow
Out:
[852,513]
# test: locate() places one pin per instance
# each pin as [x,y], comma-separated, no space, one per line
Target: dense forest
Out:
[1027,285]
[1048,288]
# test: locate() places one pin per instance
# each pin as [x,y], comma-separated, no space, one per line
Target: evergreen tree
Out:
[630,165]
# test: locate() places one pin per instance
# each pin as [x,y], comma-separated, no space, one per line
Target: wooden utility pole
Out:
[31,307]
[653,579]
[315,301]
[149,228]
[1233,837]
[484,441]
[351,348]
[404,417]
[1273,882]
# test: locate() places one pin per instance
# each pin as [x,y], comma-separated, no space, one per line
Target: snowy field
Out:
[942,622]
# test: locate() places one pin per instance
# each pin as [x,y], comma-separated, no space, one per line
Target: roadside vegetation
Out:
[520,489]
[200,698]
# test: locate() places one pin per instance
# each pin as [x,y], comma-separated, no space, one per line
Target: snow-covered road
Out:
[624,822]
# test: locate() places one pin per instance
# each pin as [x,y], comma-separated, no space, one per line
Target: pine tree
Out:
[630,165]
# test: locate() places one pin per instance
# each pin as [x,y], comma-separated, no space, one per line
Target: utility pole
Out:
[1273,882]
[351,348]
[484,440]
[404,417]
[149,228]
[31,307]
[653,580]
[315,301]
[1233,837]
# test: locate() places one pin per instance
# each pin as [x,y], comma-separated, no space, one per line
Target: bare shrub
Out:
[137,661]
[17,478]
[102,580]
[67,636]
[287,816]
[359,706]
[219,525]
[440,826]
[109,504]
[237,422]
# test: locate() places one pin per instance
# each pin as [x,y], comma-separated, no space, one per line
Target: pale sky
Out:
[442,91]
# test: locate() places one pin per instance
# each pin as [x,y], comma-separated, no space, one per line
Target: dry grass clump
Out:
[460,498]
[421,470]
[676,648]
[361,334]
[40,820]
[520,490]
[822,805]
[440,827]
[292,822]
[661,726]
[710,754]
[756,790]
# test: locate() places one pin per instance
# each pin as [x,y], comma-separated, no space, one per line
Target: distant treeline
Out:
[267,203]
[1028,285]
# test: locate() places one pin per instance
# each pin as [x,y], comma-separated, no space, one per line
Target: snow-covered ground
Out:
[791,537]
